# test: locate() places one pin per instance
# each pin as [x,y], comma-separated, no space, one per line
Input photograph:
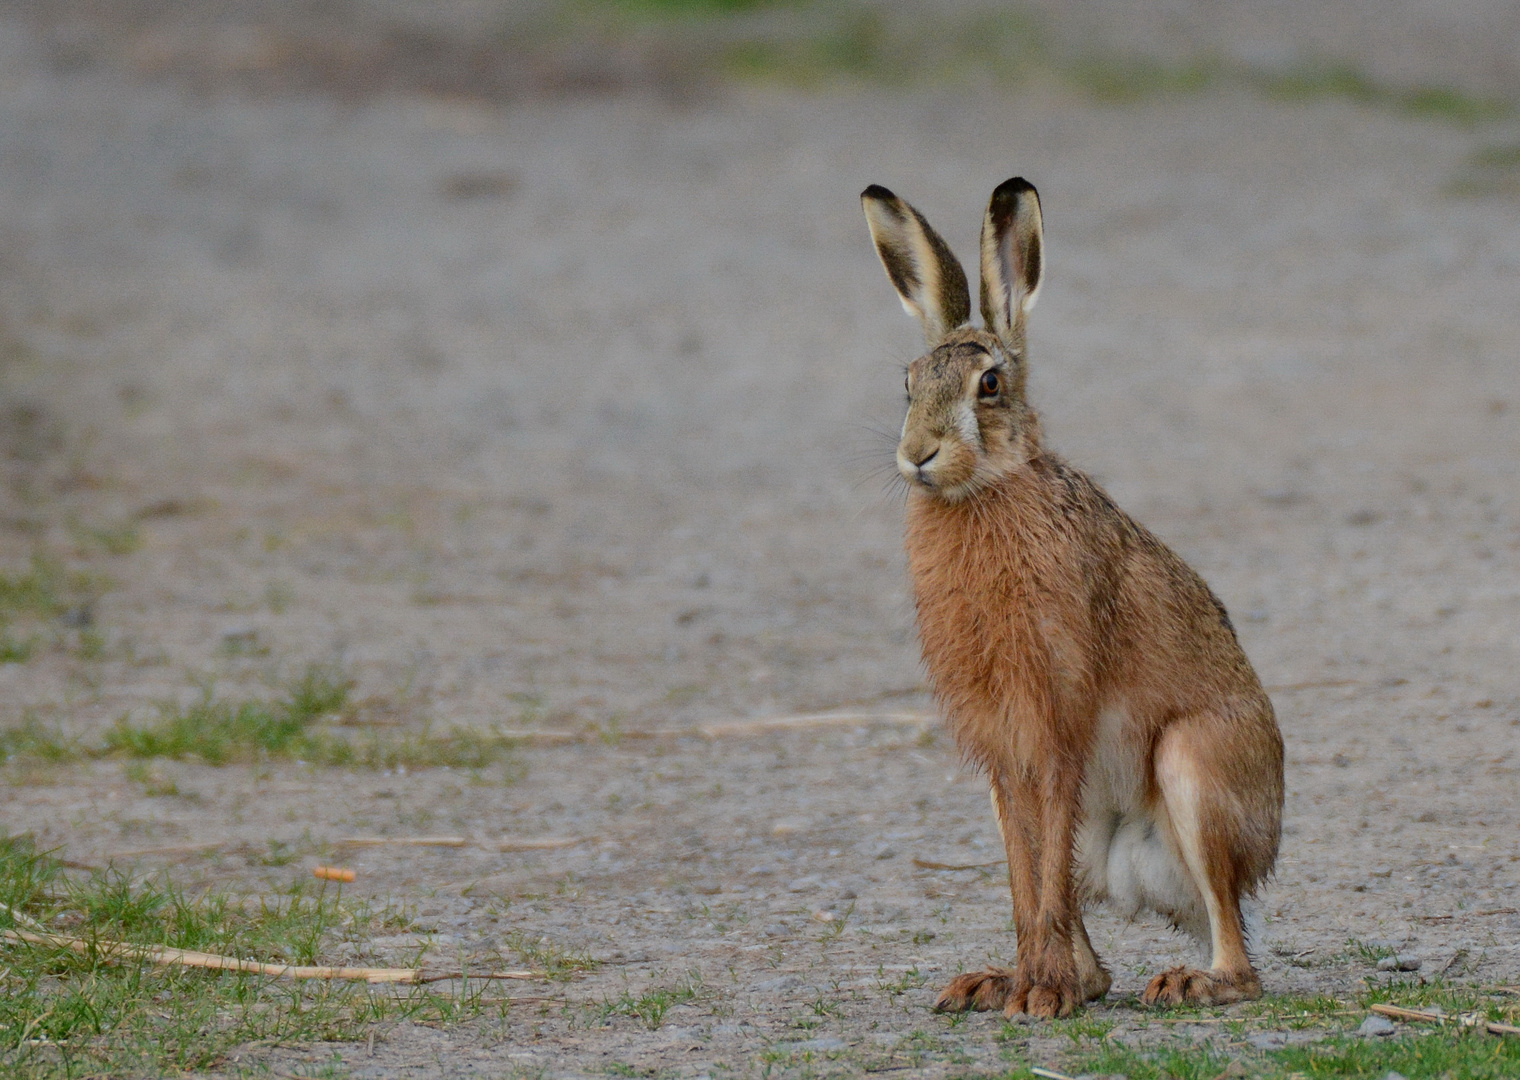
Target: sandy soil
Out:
[574,414]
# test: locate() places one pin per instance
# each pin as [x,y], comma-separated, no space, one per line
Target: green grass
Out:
[1415,1050]
[66,1014]
[1346,81]
[541,954]
[33,599]
[678,9]
[811,42]
[218,732]
[120,538]
[651,1006]
[296,725]
[1491,170]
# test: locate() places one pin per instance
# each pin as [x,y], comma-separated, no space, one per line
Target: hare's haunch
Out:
[1132,754]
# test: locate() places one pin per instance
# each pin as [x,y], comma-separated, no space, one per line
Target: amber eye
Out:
[990,383]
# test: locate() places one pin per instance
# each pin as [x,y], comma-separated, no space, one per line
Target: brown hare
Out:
[1132,754]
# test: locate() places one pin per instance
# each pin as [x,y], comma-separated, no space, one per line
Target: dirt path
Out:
[567,415]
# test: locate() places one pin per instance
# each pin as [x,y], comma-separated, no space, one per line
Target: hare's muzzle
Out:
[916,458]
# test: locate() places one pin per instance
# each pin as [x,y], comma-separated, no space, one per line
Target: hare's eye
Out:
[989,387]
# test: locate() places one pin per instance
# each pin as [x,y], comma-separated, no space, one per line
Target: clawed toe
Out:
[990,988]
[1181,984]
[1044,1003]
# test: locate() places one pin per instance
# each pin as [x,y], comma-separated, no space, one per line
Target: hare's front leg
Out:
[1047,961]
[994,987]
[1037,817]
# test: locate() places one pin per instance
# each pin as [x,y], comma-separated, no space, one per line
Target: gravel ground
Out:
[573,414]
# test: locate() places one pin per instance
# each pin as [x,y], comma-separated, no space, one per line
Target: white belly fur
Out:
[1126,853]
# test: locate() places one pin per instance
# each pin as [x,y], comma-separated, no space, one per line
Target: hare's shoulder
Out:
[1128,551]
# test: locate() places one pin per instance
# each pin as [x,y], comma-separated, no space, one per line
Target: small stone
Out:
[776,929]
[1391,1075]
[803,884]
[1379,1026]
[1403,962]
[1268,1040]
[777,985]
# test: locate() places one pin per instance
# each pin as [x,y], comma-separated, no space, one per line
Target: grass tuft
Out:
[218,732]
[651,1006]
[294,726]
[1326,1043]
[544,955]
[63,1014]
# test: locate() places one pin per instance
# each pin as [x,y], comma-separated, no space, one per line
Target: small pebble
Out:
[1377,1025]
[1399,963]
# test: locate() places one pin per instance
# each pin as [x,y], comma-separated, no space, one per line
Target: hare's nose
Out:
[921,462]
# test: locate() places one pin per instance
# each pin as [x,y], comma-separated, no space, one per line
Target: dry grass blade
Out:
[172,849]
[165,956]
[1311,684]
[1049,1074]
[1485,913]
[403,841]
[543,843]
[723,729]
[543,738]
[1475,1020]
[23,918]
[441,976]
[927,864]
[787,723]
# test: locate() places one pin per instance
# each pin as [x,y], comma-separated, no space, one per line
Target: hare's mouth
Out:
[947,470]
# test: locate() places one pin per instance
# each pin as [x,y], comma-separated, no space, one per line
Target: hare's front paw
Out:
[982,990]
[1203,987]
[1047,999]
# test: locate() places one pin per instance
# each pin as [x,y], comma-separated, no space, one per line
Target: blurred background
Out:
[530,360]
[461,389]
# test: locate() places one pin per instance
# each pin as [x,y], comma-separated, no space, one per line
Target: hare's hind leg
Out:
[1226,830]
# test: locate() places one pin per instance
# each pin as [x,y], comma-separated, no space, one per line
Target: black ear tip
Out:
[876,191]
[1010,190]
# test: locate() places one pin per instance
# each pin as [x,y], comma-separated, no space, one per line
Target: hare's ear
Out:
[919,263]
[1013,258]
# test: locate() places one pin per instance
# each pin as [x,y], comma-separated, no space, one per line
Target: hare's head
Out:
[967,422]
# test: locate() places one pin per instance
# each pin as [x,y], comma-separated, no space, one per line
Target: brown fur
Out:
[1042,607]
